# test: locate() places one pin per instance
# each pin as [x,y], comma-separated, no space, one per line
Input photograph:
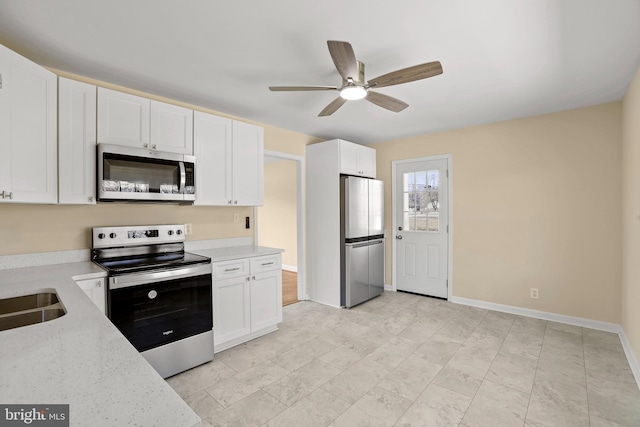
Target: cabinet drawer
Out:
[266,263]
[232,268]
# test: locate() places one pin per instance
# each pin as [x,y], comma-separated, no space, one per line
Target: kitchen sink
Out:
[29,309]
[27,302]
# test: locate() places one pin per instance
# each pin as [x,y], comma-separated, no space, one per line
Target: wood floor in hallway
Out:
[289,287]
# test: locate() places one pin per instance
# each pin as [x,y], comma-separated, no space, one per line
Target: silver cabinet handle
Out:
[253,277]
[229,202]
[99,284]
[7,195]
[236,202]
[267,263]
[146,145]
[91,198]
[248,278]
[154,146]
[232,269]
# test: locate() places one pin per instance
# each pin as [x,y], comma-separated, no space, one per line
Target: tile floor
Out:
[406,360]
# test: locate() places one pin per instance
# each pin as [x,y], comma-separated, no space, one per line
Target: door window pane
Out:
[421,207]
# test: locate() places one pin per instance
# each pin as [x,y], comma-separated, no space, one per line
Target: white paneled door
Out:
[422,226]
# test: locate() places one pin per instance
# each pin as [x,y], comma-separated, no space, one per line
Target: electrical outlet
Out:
[534,293]
[188,228]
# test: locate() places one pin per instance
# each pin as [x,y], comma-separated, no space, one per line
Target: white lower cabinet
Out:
[247,299]
[95,290]
[232,309]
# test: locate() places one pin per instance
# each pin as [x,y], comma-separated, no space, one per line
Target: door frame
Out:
[394,219]
[300,219]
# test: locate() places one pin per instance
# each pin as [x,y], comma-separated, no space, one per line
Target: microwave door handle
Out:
[183,177]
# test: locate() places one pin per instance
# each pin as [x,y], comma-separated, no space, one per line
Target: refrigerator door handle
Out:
[361,244]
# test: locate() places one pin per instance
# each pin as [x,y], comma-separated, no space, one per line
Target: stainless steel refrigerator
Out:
[362,235]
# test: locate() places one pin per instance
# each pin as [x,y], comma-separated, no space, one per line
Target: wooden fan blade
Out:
[406,75]
[386,101]
[292,88]
[344,59]
[332,107]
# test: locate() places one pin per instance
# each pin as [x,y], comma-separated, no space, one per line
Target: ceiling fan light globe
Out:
[353,92]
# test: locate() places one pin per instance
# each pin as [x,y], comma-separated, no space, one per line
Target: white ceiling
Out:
[502,59]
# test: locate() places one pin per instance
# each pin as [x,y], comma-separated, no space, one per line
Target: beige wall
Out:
[277,219]
[536,203]
[43,228]
[631,214]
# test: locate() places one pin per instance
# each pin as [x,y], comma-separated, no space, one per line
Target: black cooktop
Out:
[120,266]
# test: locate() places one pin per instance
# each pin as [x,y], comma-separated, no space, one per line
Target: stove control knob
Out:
[170,232]
[101,236]
[178,232]
[152,294]
[112,235]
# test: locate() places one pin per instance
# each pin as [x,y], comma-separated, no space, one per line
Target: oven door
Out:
[156,308]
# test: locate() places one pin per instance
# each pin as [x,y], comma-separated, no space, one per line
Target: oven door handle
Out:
[130,280]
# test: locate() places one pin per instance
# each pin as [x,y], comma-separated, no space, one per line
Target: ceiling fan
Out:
[353,82]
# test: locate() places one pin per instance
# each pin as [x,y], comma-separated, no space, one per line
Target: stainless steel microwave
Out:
[127,174]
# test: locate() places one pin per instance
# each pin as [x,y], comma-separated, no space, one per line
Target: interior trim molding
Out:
[292,268]
[561,318]
[631,356]
[537,314]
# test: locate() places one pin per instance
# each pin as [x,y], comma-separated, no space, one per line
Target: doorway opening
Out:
[280,221]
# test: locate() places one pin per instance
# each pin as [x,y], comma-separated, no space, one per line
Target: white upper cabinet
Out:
[230,161]
[248,164]
[171,128]
[76,142]
[357,159]
[28,131]
[134,121]
[212,146]
[123,119]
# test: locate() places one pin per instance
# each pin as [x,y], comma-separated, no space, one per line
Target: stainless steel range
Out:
[158,295]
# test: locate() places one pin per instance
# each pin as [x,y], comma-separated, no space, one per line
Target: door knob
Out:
[399,228]
[399,237]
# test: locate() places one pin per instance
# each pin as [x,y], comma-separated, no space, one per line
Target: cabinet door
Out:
[266,299]
[248,164]
[123,119]
[231,309]
[95,290]
[349,158]
[212,145]
[28,131]
[76,142]
[171,128]
[367,161]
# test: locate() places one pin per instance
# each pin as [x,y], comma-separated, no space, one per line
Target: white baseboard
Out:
[631,357]
[537,314]
[292,268]
[561,318]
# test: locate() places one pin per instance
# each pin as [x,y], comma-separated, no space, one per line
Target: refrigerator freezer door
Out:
[376,207]
[357,274]
[376,267]
[356,207]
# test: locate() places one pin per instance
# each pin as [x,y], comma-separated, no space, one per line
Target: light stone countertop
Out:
[235,252]
[81,359]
